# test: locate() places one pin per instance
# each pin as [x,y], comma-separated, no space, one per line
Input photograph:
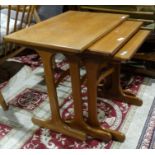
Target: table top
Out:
[72,31]
[114,40]
[130,48]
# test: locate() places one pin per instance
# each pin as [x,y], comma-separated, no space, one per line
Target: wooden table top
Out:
[114,40]
[72,31]
[130,48]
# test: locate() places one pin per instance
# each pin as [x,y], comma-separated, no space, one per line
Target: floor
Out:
[26,93]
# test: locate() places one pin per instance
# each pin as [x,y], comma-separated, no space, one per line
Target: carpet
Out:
[147,139]
[26,93]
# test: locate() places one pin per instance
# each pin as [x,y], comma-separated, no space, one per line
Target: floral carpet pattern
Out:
[147,139]
[4,129]
[30,98]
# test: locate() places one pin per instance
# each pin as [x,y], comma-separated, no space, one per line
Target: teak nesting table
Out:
[99,41]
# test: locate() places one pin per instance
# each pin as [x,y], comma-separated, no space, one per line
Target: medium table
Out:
[70,33]
[107,54]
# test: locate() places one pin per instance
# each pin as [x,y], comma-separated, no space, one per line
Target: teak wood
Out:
[55,123]
[92,67]
[72,31]
[128,50]
[3,103]
[109,44]
[112,86]
[78,121]
[139,13]
[113,90]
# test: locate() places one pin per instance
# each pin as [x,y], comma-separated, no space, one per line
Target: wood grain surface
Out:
[113,41]
[72,31]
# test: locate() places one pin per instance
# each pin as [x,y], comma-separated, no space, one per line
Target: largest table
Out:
[70,33]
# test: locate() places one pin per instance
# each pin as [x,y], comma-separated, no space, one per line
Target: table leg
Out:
[92,67]
[3,103]
[115,90]
[78,121]
[55,123]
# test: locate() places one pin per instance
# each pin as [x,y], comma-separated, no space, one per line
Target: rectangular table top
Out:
[72,31]
[130,48]
[114,40]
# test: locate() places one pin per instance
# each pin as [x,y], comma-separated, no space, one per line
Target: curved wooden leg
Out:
[128,93]
[3,103]
[55,123]
[92,70]
[78,121]
[115,91]
[59,126]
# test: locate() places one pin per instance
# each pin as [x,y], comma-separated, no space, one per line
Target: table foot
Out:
[92,131]
[125,97]
[128,93]
[3,103]
[113,90]
[59,126]
[116,135]
[78,121]
[133,100]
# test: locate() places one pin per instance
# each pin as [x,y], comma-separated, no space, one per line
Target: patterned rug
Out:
[147,139]
[26,93]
